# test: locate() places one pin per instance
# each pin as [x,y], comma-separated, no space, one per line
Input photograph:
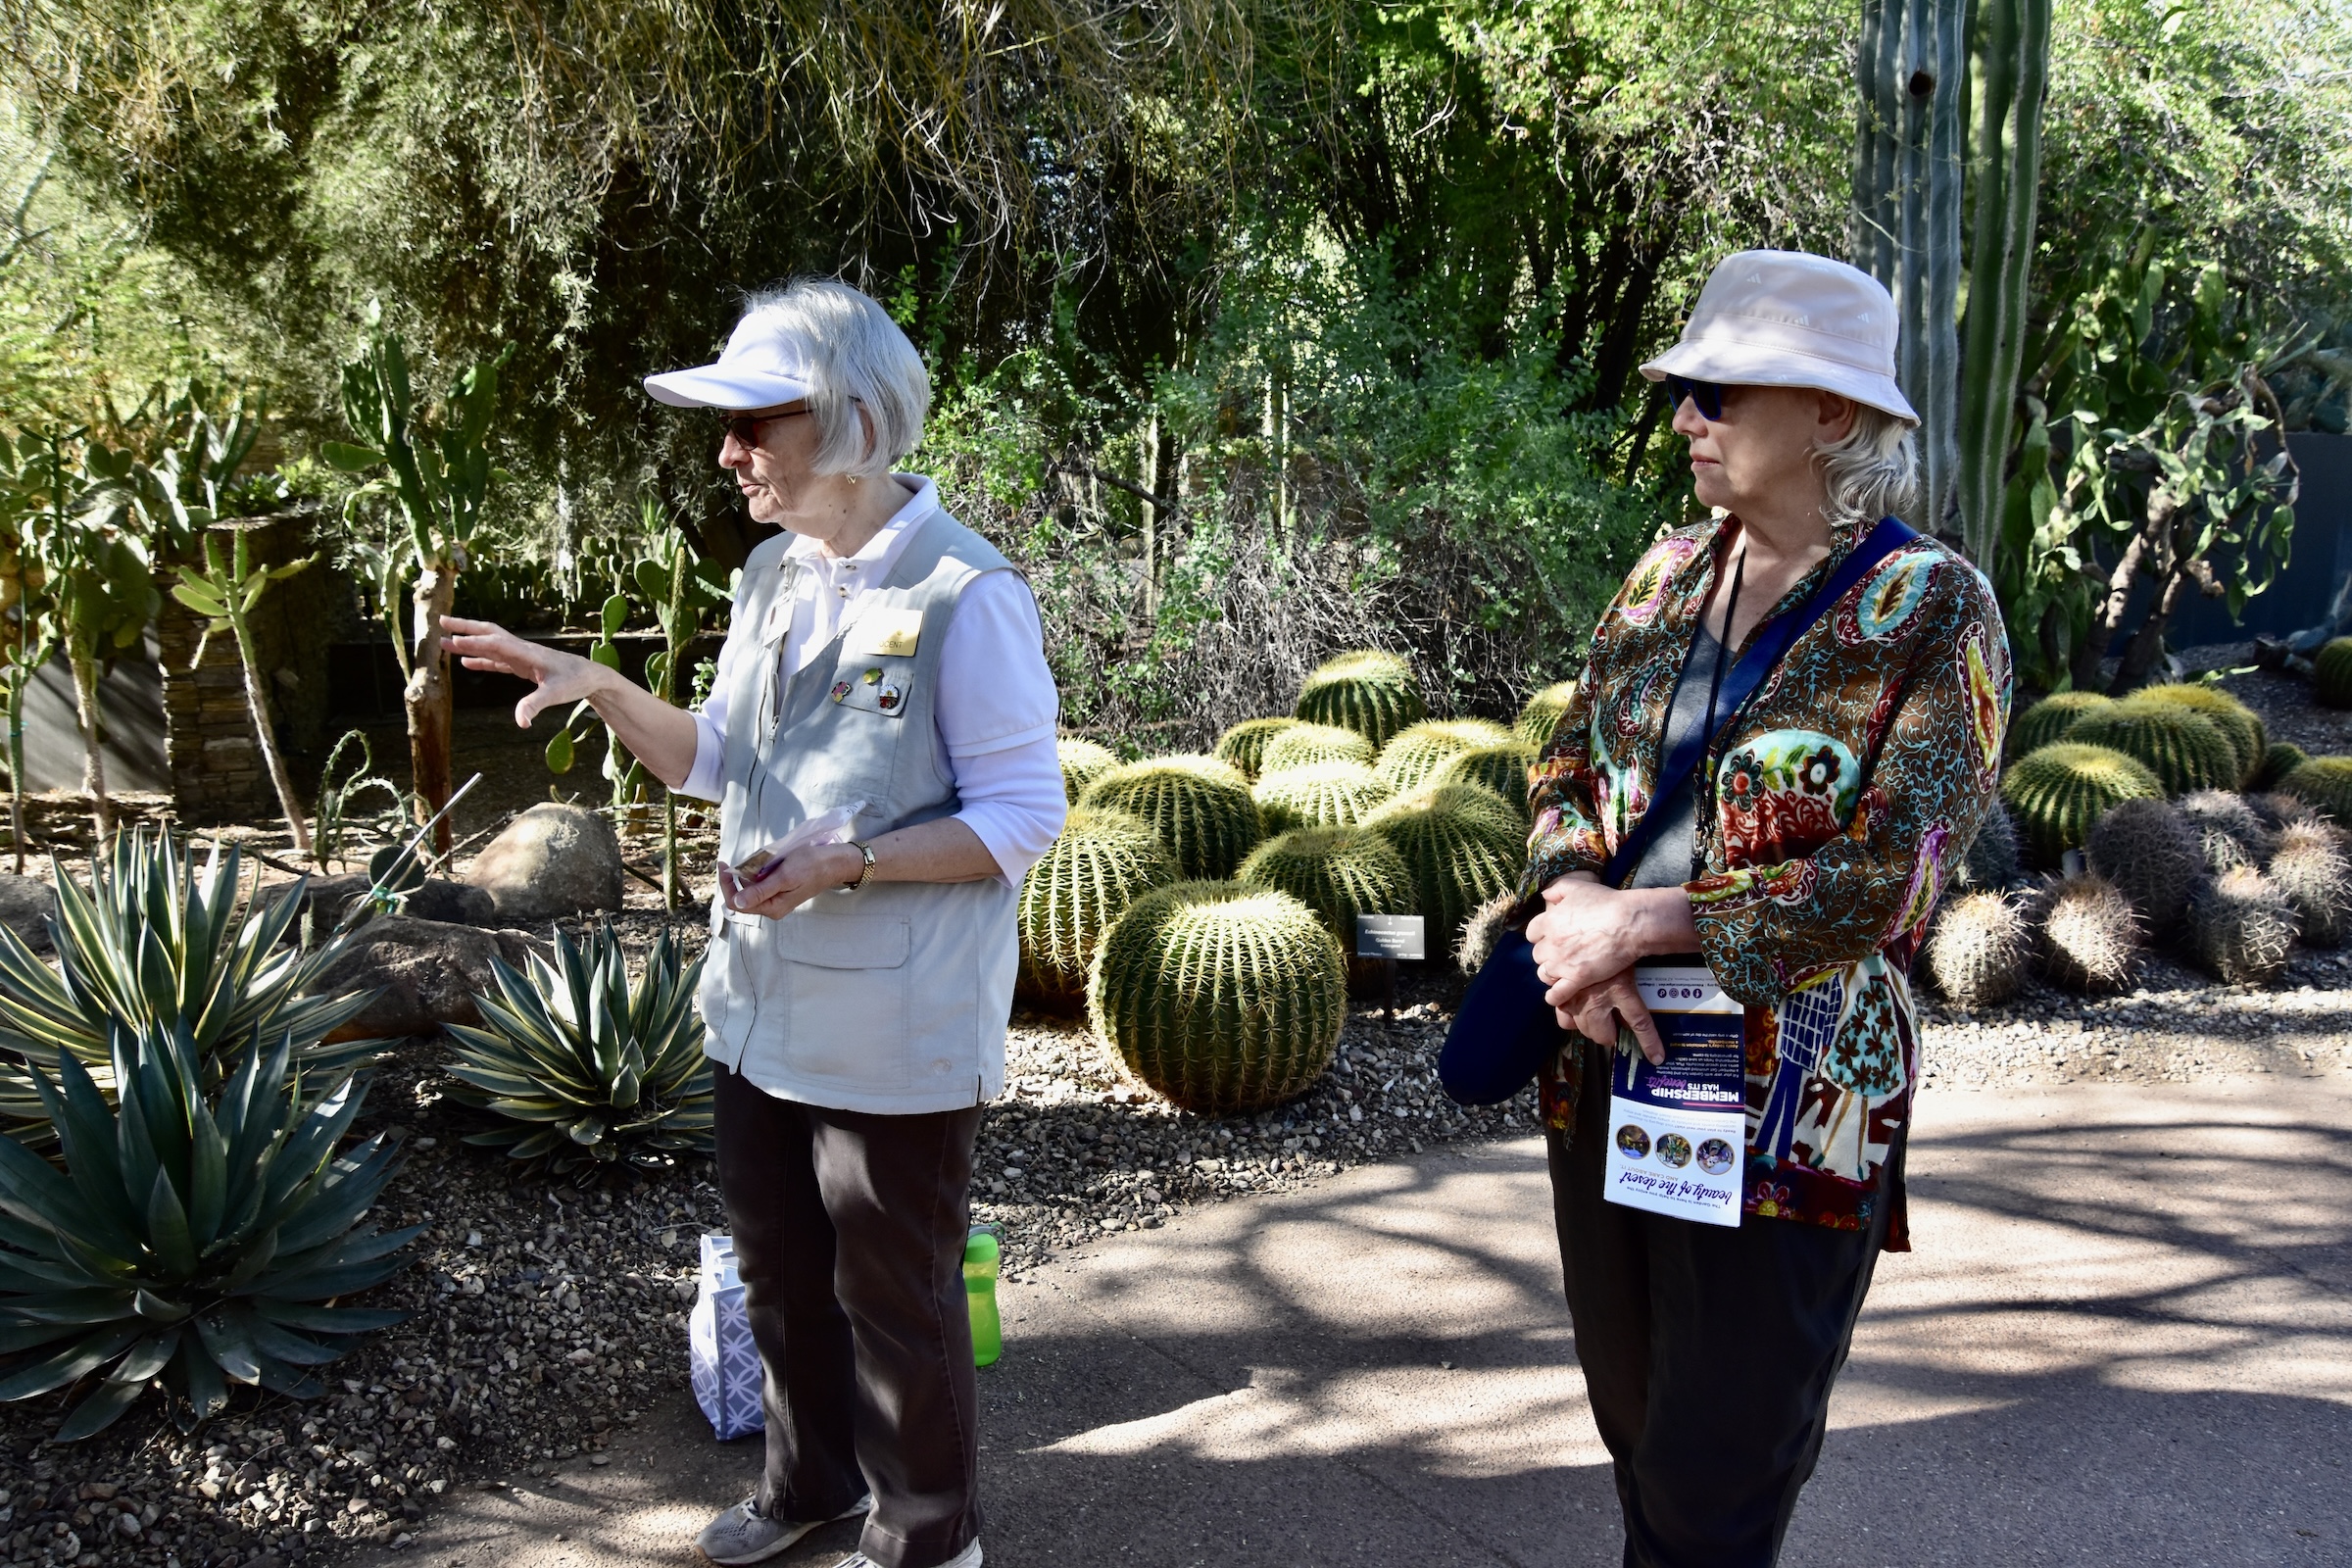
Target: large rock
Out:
[426,971]
[550,861]
[324,899]
[25,905]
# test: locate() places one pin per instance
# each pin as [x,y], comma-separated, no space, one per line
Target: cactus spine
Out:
[2089,935]
[2231,831]
[1199,806]
[1082,763]
[2242,927]
[1540,719]
[1978,950]
[1501,768]
[2185,750]
[1101,862]
[1326,795]
[1224,998]
[1244,744]
[1413,756]
[2331,673]
[2312,870]
[2154,855]
[2050,720]
[1992,862]
[2277,763]
[2059,791]
[1306,745]
[1373,693]
[1462,844]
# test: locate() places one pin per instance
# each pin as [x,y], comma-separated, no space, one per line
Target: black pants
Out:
[1708,1354]
[848,1239]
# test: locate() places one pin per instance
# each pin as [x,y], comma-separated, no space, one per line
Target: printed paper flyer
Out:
[1676,1130]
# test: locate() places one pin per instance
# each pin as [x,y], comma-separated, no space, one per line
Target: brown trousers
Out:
[849,1238]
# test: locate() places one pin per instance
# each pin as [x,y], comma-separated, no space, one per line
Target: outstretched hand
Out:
[557,678]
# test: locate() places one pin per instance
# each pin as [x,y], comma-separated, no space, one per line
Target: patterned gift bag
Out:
[722,1361]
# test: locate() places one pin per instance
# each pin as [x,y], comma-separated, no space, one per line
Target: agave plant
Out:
[595,1071]
[190,1237]
[157,941]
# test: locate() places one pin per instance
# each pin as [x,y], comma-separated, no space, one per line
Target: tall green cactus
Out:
[1907,174]
[2012,67]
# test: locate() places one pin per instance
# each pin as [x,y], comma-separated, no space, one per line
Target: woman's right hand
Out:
[558,677]
[1594,1013]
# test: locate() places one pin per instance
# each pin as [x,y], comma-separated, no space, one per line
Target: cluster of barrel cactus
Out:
[2331,673]
[1204,907]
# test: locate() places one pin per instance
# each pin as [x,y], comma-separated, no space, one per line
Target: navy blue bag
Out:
[1504,1031]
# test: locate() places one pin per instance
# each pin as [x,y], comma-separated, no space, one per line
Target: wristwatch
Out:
[863,871]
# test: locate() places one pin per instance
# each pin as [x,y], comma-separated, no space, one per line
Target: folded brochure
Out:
[1676,1130]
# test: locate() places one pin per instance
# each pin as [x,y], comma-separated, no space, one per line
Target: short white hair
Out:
[1872,471]
[858,362]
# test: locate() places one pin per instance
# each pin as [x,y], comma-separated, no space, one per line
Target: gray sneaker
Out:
[743,1534]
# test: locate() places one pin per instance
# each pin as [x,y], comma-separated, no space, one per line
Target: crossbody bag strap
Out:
[1742,682]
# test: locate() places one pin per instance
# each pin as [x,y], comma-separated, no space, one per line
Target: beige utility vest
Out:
[893,997]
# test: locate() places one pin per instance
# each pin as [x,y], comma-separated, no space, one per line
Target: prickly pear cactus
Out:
[1245,745]
[1543,713]
[1082,763]
[1224,998]
[1373,693]
[2057,791]
[2154,855]
[1414,755]
[2089,935]
[1305,745]
[2047,722]
[1501,768]
[2247,735]
[1326,795]
[2326,784]
[2185,750]
[1978,948]
[2242,927]
[2332,674]
[1339,872]
[1201,807]
[1463,845]
[1103,861]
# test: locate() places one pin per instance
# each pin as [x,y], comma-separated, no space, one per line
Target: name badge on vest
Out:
[886,634]
[1676,1130]
[874,690]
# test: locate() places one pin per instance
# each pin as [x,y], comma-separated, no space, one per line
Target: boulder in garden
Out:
[550,861]
[25,905]
[325,900]
[424,972]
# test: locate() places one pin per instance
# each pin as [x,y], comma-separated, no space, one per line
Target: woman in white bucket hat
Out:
[1787,730]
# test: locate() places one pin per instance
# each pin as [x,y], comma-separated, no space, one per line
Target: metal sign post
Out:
[1391,938]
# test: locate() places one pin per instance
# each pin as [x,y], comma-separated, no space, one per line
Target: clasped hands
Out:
[1588,938]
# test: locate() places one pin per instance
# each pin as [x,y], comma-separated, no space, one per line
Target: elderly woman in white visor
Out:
[881,740]
[1787,732]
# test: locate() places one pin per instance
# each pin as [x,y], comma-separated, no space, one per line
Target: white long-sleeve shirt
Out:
[997,709]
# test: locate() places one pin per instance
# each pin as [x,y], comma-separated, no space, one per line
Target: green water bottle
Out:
[980,1253]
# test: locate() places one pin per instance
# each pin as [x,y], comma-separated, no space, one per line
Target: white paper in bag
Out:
[721,1360]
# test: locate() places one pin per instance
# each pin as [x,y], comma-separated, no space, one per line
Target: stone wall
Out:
[216,768]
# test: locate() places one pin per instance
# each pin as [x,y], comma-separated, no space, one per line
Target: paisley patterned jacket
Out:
[1844,789]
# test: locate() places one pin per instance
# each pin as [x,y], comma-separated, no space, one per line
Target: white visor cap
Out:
[763,365]
[1791,318]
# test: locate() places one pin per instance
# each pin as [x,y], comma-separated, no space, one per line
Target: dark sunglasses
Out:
[1706,395]
[745,427]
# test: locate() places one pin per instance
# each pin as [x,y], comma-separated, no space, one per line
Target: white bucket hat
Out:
[1789,319]
[761,366]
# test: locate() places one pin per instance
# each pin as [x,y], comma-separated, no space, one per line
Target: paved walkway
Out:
[2126,1338]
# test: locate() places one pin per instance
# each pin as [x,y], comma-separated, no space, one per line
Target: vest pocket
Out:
[847,979]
